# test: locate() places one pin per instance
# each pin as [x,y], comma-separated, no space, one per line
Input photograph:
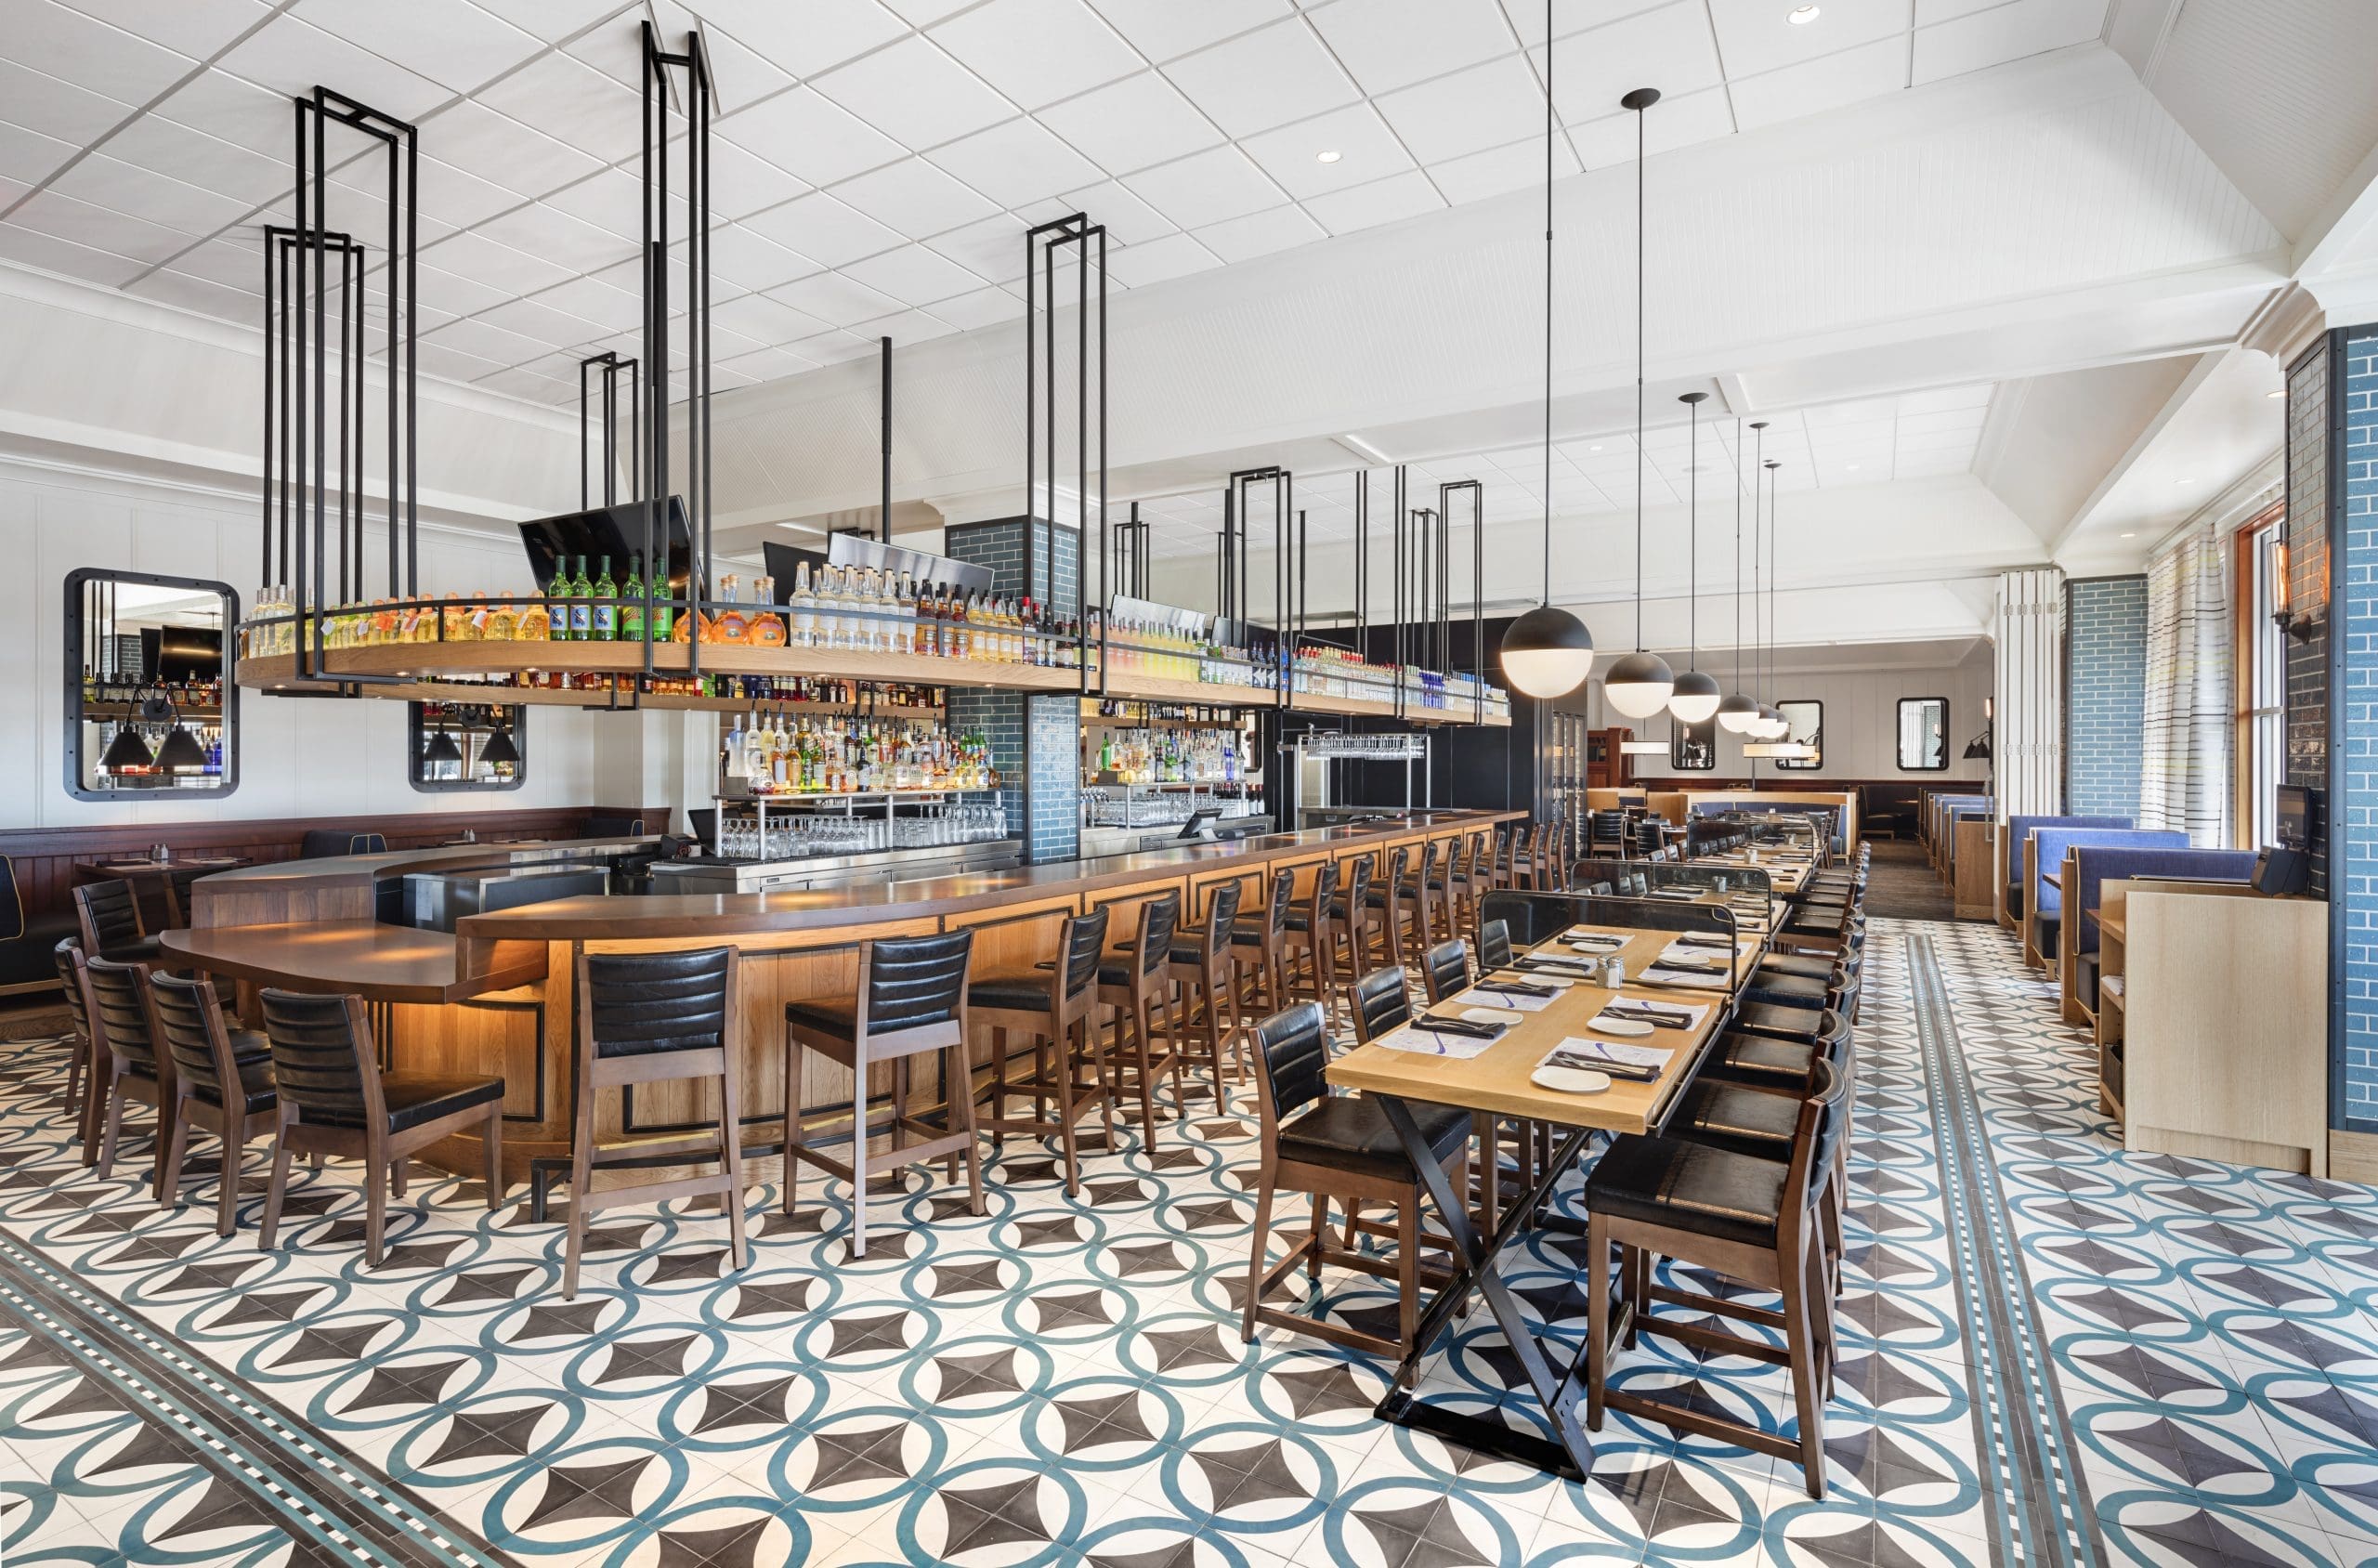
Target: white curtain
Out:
[2184,776]
[2027,742]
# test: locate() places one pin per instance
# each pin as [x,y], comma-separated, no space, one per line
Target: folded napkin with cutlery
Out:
[1636,1064]
[1636,1009]
[1468,1028]
[1660,975]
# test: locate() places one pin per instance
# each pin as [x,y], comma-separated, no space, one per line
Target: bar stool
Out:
[1391,898]
[1352,923]
[222,1084]
[1523,868]
[658,1018]
[911,1000]
[1055,1003]
[1752,1220]
[1201,967]
[1466,883]
[130,1072]
[333,1099]
[82,1062]
[1339,1146]
[110,921]
[1424,900]
[1255,946]
[1308,943]
[1134,984]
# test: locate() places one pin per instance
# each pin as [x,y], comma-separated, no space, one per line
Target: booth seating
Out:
[2042,924]
[28,943]
[1934,818]
[1945,853]
[2014,874]
[321,843]
[2086,869]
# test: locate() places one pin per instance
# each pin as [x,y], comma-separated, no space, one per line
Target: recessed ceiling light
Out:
[2183,481]
[2131,535]
[1593,449]
[1331,156]
[1803,14]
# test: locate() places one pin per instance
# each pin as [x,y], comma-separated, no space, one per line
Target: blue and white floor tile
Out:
[2053,1353]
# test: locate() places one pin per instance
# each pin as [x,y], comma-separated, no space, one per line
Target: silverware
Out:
[1462,1026]
[1659,1015]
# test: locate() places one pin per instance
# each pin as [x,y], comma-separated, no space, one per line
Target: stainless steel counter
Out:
[716,876]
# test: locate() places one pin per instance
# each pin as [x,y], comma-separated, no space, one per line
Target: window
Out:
[467,746]
[1806,715]
[2264,651]
[1693,748]
[1923,733]
[151,707]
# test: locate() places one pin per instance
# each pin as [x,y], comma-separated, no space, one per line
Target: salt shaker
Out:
[1613,972]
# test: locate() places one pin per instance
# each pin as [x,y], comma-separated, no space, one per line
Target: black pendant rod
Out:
[1546,600]
[884,518]
[699,108]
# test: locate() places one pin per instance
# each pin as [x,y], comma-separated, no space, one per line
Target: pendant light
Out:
[1736,713]
[126,751]
[1777,726]
[180,752]
[441,749]
[1696,697]
[1547,652]
[1639,684]
[499,748]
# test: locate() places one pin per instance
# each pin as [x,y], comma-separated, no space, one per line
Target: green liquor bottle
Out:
[605,616]
[664,617]
[557,600]
[632,602]
[581,613]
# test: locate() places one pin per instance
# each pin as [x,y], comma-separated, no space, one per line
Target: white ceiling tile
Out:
[1501,169]
[810,37]
[556,19]
[1489,105]
[1940,399]
[824,229]
[915,94]
[1929,11]
[101,229]
[765,365]
[1961,421]
[1164,29]
[457,294]
[474,256]
[235,263]
[106,182]
[1016,163]
[765,320]
[744,259]
[516,383]
[2010,31]
[226,108]
[572,102]
[611,201]
[1669,49]
[1038,51]
[1265,78]
[1672,122]
[28,157]
[1366,151]
[1175,256]
[907,327]
[502,151]
[1868,71]
[451,42]
[993,248]
[61,109]
[610,309]
[1392,43]
[558,329]
[913,275]
[925,13]
[79,48]
[556,237]
[34,248]
[197,294]
[488,341]
[1759,35]
[831,296]
[1129,220]
[1241,239]
[832,349]
[1205,188]
[1570,15]
[809,137]
[220,167]
[915,197]
[982,308]
[287,56]
[1131,124]
[1365,206]
[196,27]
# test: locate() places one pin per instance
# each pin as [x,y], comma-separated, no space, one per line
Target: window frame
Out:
[1797,765]
[1899,735]
[417,736]
[227,722]
[1705,732]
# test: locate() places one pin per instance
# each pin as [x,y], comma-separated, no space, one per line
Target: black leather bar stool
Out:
[1056,1004]
[1134,985]
[1756,1220]
[1309,957]
[1339,1147]
[110,921]
[1424,900]
[130,1071]
[1202,970]
[332,1098]
[911,1000]
[1465,883]
[82,1063]
[222,1084]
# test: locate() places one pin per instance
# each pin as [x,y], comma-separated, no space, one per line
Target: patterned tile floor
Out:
[2053,1352]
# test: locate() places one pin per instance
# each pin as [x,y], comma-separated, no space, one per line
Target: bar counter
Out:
[496,996]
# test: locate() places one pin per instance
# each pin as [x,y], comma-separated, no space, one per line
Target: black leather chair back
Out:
[321,844]
[1085,942]
[1157,922]
[914,981]
[318,1055]
[1380,1002]
[68,955]
[111,915]
[1829,1091]
[118,1013]
[1427,860]
[187,1020]
[1399,868]
[1222,913]
[1444,969]
[1833,1038]
[1293,1047]
[1283,893]
[615,826]
[1324,893]
[178,891]
[1495,945]
[641,1004]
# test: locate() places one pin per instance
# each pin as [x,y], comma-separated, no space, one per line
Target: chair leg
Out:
[275,1186]
[962,1116]
[173,1137]
[227,1196]
[730,1154]
[376,1176]
[794,1143]
[1320,1234]
[858,1157]
[96,1102]
[1596,1317]
[491,1146]
[581,1181]
[1799,1344]
[1147,1089]
[1256,1243]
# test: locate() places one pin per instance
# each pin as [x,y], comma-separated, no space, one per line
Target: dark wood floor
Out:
[1903,887]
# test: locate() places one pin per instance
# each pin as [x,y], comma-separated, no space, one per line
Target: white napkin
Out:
[1428,1042]
[1708,979]
[1599,1051]
[1631,1009]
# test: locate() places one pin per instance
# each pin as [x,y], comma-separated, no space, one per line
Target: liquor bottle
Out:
[630,620]
[582,610]
[604,618]
[557,600]
[908,623]
[805,608]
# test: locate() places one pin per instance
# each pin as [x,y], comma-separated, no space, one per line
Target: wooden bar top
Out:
[348,869]
[393,963]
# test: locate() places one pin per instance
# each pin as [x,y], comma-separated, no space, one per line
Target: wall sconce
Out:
[2301,627]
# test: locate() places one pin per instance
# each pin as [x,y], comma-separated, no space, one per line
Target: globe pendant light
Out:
[1737,713]
[1696,697]
[1639,684]
[1547,652]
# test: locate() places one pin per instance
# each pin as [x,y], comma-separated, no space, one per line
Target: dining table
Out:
[1501,1078]
[148,876]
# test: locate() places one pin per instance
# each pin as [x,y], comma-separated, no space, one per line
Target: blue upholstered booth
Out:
[2019,827]
[2096,864]
[2048,844]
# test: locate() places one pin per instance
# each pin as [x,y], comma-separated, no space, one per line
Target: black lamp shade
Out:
[1978,748]
[1547,652]
[442,749]
[500,748]
[128,750]
[1736,713]
[1695,698]
[1637,685]
[181,751]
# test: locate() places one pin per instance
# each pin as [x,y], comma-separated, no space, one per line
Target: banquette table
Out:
[495,997]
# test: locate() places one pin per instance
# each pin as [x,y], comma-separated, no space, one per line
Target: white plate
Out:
[1489,1014]
[1631,1027]
[1529,977]
[1569,1080]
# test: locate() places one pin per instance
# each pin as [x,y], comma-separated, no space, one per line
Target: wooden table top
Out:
[2112,925]
[1496,1080]
[148,867]
[1785,874]
[378,963]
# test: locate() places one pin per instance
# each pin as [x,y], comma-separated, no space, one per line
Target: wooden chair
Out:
[1466,881]
[1056,1003]
[333,1099]
[109,915]
[130,1070]
[1397,919]
[1502,872]
[222,1084]
[1308,947]
[1352,924]
[1339,1147]
[910,1001]
[1202,968]
[1493,945]
[178,897]
[1523,858]
[658,1018]
[1444,971]
[1256,944]
[1751,1219]
[1134,985]
[1425,899]
[82,1061]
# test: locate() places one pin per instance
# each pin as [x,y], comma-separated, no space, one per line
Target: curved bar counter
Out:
[495,997]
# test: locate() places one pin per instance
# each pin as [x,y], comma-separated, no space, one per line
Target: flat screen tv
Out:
[172,654]
[616,531]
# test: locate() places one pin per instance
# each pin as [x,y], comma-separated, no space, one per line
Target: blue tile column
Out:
[1035,735]
[2105,650]
[2352,492]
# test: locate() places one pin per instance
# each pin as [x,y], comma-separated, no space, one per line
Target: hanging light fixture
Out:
[1776,726]
[1738,712]
[1638,685]
[1547,652]
[180,752]
[500,747]
[442,749]
[1696,697]
[126,751]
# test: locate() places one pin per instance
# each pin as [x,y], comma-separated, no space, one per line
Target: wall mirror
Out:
[151,707]
[1806,715]
[1923,733]
[467,746]
[1693,748]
